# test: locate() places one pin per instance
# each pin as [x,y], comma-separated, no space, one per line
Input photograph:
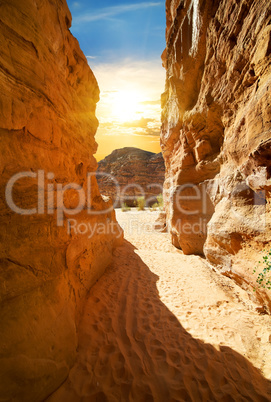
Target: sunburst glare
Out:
[126,105]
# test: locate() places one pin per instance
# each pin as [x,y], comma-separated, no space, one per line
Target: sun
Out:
[126,105]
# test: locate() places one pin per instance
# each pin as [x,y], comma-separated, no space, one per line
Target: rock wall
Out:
[48,96]
[128,173]
[216,132]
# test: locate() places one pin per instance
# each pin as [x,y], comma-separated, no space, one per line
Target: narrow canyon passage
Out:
[161,326]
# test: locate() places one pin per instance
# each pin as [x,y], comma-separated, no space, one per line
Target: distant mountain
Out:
[128,173]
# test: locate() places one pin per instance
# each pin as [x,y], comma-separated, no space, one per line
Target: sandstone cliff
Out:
[128,173]
[48,96]
[216,131]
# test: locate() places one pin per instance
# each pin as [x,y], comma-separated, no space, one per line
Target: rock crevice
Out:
[48,96]
[216,129]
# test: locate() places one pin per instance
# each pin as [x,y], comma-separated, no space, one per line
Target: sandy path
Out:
[161,326]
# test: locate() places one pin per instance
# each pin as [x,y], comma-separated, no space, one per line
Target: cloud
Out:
[110,12]
[142,123]
[147,133]
[76,4]
[146,76]
[152,132]
[105,125]
[155,102]
[142,127]
[91,57]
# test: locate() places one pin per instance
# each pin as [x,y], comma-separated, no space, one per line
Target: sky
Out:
[123,41]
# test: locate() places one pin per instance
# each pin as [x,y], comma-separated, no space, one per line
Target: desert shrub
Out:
[140,202]
[124,207]
[154,206]
[160,201]
[264,277]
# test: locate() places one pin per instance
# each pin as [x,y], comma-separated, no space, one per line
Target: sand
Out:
[161,326]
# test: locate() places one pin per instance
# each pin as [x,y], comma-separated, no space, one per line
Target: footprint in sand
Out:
[135,345]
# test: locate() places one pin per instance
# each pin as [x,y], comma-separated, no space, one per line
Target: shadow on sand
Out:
[132,348]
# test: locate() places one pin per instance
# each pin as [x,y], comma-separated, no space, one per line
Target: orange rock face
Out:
[56,238]
[216,132]
[129,173]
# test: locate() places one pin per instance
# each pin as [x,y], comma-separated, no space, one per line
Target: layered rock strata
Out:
[216,131]
[48,263]
[129,173]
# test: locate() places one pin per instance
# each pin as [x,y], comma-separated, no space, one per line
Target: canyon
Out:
[216,133]
[48,96]
[86,315]
[129,173]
